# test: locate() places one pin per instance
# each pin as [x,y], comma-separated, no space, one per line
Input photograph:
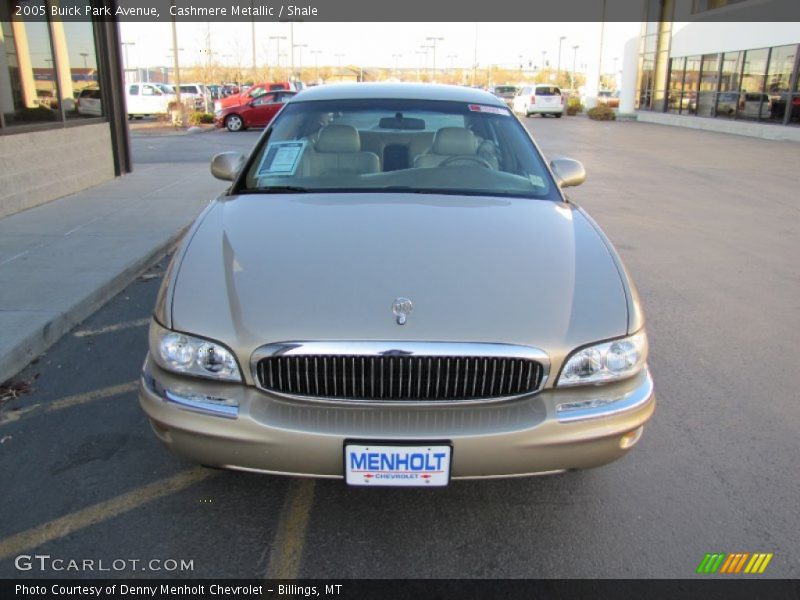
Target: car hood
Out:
[270,268]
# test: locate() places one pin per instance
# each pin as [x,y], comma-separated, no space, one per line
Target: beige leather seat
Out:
[338,150]
[447,143]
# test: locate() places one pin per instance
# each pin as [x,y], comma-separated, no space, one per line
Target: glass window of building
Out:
[676,72]
[77,66]
[779,77]
[28,90]
[754,104]
[709,80]
[690,84]
[729,84]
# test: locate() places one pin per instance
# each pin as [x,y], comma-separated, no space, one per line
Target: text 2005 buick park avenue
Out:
[395,291]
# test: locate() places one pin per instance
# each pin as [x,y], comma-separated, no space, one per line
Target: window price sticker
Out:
[495,110]
[282,158]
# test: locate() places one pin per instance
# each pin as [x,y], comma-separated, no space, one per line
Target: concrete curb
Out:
[41,338]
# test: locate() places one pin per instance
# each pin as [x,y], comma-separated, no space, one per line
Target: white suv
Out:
[541,98]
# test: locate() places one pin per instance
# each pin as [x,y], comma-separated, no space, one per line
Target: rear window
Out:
[547,90]
[505,89]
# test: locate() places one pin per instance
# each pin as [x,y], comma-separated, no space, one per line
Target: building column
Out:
[61,52]
[630,68]
[6,97]
[27,83]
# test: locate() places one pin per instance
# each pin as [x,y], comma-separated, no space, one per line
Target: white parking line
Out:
[110,328]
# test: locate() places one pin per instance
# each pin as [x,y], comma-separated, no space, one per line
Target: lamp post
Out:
[452,58]
[574,60]
[316,54]
[420,53]
[300,62]
[425,48]
[558,68]
[395,57]
[278,39]
[339,58]
[433,41]
[127,60]
[175,61]
[544,60]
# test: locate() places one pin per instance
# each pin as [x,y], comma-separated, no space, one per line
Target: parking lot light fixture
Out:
[433,41]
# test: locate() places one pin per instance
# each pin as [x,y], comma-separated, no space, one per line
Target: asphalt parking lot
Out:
[708,226]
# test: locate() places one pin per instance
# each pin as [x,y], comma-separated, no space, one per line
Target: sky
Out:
[383,44]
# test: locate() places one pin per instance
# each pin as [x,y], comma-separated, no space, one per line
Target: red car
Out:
[250,93]
[256,112]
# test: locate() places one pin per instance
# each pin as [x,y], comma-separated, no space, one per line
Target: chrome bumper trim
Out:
[208,405]
[569,412]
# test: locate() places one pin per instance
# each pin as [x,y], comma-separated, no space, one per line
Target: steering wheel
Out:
[466,157]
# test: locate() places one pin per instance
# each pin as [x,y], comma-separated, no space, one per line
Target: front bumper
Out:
[272,434]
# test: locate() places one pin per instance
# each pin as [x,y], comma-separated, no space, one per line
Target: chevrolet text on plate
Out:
[396,291]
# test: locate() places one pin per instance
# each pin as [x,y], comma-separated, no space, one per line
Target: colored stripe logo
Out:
[735,563]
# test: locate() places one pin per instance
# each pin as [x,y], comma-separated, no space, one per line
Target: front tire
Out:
[558,115]
[234,123]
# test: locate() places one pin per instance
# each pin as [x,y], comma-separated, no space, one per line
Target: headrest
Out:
[338,138]
[454,141]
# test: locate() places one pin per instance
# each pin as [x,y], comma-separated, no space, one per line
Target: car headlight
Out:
[189,355]
[606,361]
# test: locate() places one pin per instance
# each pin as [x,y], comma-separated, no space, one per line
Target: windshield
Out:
[388,145]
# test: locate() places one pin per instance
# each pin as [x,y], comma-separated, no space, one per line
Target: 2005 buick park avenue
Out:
[395,291]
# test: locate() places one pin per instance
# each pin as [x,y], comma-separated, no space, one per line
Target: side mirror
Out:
[226,165]
[569,172]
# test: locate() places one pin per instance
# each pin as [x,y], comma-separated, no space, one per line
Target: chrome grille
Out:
[399,377]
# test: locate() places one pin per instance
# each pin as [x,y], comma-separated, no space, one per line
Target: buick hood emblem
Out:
[401,308]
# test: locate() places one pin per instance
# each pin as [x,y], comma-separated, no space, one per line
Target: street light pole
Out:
[544,56]
[558,68]
[316,54]
[574,59]
[425,49]
[291,43]
[300,63]
[434,40]
[395,57]
[278,39]
[339,72]
[452,58]
[175,61]
[419,64]
[127,60]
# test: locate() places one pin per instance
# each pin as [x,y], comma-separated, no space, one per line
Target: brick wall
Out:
[40,166]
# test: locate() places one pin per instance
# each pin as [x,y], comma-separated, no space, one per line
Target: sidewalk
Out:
[61,261]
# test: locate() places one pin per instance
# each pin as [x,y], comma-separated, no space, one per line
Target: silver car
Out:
[396,291]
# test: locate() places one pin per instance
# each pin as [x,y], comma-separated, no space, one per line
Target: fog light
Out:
[630,438]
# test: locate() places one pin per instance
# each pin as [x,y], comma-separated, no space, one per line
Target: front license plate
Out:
[402,466]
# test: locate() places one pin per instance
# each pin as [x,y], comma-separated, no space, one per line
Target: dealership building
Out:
[710,64]
[61,127]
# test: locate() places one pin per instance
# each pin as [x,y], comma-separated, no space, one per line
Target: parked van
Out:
[146,99]
[542,99]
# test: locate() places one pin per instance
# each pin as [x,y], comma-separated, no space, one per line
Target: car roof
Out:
[405,91]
